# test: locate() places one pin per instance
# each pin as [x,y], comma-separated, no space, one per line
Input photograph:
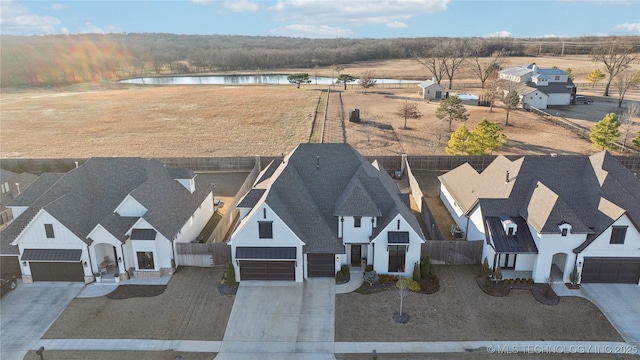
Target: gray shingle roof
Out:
[521,242]
[251,198]
[548,191]
[87,196]
[313,181]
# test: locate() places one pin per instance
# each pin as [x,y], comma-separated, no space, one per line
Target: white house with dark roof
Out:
[538,87]
[431,90]
[109,215]
[321,207]
[541,216]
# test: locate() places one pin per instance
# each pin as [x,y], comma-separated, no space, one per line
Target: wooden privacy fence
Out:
[415,187]
[430,221]
[202,255]
[453,252]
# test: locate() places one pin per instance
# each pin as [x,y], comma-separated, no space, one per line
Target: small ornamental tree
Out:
[416,271]
[371,277]
[497,274]
[409,110]
[451,109]
[485,138]
[485,270]
[231,275]
[299,78]
[636,141]
[403,290]
[458,143]
[574,276]
[605,132]
[628,121]
[425,267]
[367,80]
[345,78]
[510,101]
[595,76]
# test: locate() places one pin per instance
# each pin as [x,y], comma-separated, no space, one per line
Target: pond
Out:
[274,79]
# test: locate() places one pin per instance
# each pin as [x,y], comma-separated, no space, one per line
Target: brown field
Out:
[113,119]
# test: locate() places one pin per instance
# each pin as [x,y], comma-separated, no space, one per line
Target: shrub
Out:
[529,281]
[339,276]
[517,281]
[371,277]
[574,276]
[231,275]
[386,278]
[425,267]
[368,268]
[498,273]
[414,285]
[416,272]
[345,270]
[485,270]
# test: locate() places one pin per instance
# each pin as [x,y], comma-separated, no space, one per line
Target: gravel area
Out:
[461,311]
[190,308]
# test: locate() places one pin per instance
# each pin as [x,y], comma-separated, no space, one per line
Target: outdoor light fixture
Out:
[24,263]
[119,259]
[85,264]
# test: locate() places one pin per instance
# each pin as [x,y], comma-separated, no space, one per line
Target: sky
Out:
[326,18]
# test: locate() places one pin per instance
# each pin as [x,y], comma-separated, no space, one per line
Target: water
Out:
[241,80]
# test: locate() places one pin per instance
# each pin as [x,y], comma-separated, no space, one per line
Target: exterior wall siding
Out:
[130,207]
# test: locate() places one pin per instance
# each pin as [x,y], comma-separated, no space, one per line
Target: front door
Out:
[438,94]
[355,255]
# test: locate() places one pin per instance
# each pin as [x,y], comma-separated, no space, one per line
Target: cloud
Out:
[90,28]
[59,7]
[396,25]
[240,6]
[499,34]
[17,19]
[630,27]
[322,12]
[311,31]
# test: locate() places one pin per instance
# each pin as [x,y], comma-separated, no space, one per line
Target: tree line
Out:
[67,59]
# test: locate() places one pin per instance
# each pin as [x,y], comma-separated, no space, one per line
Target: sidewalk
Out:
[354,283]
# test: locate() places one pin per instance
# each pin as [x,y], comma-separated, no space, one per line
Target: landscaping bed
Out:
[541,292]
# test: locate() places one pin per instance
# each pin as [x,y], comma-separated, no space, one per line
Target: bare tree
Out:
[493,88]
[367,80]
[453,57]
[481,66]
[409,110]
[628,120]
[616,58]
[433,62]
[625,81]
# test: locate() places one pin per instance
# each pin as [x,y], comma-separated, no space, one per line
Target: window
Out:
[397,255]
[5,187]
[357,221]
[398,225]
[557,78]
[265,230]
[617,234]
[48,228]
[565,231]
[145,260]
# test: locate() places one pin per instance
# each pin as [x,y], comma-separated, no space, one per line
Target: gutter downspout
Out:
[466,230]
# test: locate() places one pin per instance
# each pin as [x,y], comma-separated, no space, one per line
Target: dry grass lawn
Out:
[460,311]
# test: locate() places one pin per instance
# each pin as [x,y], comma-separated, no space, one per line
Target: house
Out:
[431,90]
[538,87]
[10,185]
[543,216]
[116,215]
[323,206]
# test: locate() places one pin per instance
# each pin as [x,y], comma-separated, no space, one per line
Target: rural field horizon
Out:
[114,119]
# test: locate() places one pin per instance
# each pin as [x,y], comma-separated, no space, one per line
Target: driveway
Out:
[286,320]
[27,312]
[620,303]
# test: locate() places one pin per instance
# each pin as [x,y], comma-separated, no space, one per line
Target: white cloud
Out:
[311,31]
[17,19]
[630,27]
[499,34]
[90,28]
[354,12]
[240,6]
[396,25]
[59,7]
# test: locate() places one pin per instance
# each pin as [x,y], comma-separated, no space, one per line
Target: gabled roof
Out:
[87,196]
[317,181]
[428,83]
[554,87]
[516,71]
[521,242]
[590,193]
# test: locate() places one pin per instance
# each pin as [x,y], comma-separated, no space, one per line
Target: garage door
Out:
[611,270]
[57,271]
[321,265]
[267,270]
[9,266]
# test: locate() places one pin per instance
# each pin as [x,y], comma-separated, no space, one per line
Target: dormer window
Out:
[48,229]
[508,225]
[565,228]
[565,231]
[618,234]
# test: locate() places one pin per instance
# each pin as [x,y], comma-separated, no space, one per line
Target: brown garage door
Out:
[267,270]
[57,271]
[611,270]
[321,265]
[9,266]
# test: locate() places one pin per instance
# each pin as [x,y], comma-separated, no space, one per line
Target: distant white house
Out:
[324,206]
[541,217]
[108,215]
[538,87]
[431,90]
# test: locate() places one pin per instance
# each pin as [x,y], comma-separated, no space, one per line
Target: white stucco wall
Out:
[549,245]
[98,249]
[601,247]
[524,262]
[353,235]
[193,227]
[381,253]
[130,207]
[536,99]
[17,210]
[559,99]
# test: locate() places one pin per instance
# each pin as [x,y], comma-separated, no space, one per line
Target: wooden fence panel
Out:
[202,255]
[431,222]
[453,252]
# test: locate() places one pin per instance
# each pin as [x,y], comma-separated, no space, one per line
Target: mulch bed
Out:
[133,291]
[225,289]
[430,285]
[541,292]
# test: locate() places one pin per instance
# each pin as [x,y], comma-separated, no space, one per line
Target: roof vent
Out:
[317,162]
[507,177]
[553,155]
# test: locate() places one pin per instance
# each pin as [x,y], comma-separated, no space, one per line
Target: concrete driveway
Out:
[620,303]
[281,320]
[27,313]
